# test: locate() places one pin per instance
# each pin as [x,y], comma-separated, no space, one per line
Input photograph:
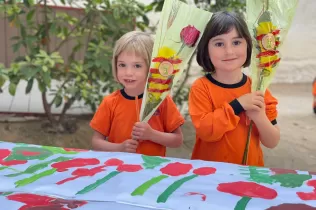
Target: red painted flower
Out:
[203,196]
[129,168]
[113,162]
[81,172]
[77,162]
[283,171]
[33,201]
[176,169]
[312,173]
[247,189]
[204,171]
[189,35]
[292,206]
[4,153]
[308,195]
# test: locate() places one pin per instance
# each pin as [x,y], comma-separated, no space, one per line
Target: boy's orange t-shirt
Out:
[116,116]
[221,124]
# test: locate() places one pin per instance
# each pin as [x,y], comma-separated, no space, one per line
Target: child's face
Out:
[132,71]
[228,52]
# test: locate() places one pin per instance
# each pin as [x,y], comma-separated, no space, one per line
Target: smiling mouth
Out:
[129,80]
[230,59]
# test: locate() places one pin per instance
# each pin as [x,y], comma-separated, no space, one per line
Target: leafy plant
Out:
[64,78]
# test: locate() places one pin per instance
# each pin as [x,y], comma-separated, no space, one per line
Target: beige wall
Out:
[7,31]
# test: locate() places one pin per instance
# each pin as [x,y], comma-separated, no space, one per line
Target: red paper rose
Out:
[189,35]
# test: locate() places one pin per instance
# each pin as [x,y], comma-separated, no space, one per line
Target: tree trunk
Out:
[47,109]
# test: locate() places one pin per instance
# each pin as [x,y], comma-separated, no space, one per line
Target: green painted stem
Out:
[34,178]
[9,168]
[98,183]
[242,203]
[163,197]
[144,187]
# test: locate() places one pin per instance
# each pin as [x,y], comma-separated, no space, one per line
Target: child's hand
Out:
[252,101]
[129,145]
[255,115]
[142,131]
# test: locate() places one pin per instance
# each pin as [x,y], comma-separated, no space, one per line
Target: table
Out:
[37,177]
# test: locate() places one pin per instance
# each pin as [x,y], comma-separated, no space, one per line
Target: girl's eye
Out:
[138,66]
[121,65]
[219,44]
[236,42]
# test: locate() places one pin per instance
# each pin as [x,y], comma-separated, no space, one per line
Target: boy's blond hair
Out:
[140,43]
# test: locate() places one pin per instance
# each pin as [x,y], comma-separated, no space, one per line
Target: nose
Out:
[129,71]
[229,49]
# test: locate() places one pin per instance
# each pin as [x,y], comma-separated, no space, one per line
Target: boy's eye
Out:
[121,65]
[219,44]
[236,42]
[138,66]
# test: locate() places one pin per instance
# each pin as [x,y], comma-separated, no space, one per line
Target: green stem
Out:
[245,156]
[34,178]
[267,4]
[242,203]
[163,197]
[98,183]
[10,168]
[181,48]
[144,187]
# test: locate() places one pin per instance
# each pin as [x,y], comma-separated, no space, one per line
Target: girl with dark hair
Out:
[221,103]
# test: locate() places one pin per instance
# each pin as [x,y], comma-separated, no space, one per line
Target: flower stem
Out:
[181,48]
[242,203]
[163,197]
[245,156]
[98,183]
[144,187]
[34,178]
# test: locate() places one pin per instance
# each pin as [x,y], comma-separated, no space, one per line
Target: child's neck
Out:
[133,93]
[228,77]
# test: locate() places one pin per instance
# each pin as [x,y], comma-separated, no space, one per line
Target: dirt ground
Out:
[297,148]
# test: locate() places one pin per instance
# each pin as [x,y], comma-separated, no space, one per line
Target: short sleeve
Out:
[172,118]
[101,121]
[271,107]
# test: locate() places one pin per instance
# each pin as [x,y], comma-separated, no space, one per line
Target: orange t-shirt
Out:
[314,94]
[116,117]
[221,124]
[314,87]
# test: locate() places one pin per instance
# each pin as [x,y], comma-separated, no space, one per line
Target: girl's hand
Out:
[142,131]
[252,101]
[255,115]
[129,145]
